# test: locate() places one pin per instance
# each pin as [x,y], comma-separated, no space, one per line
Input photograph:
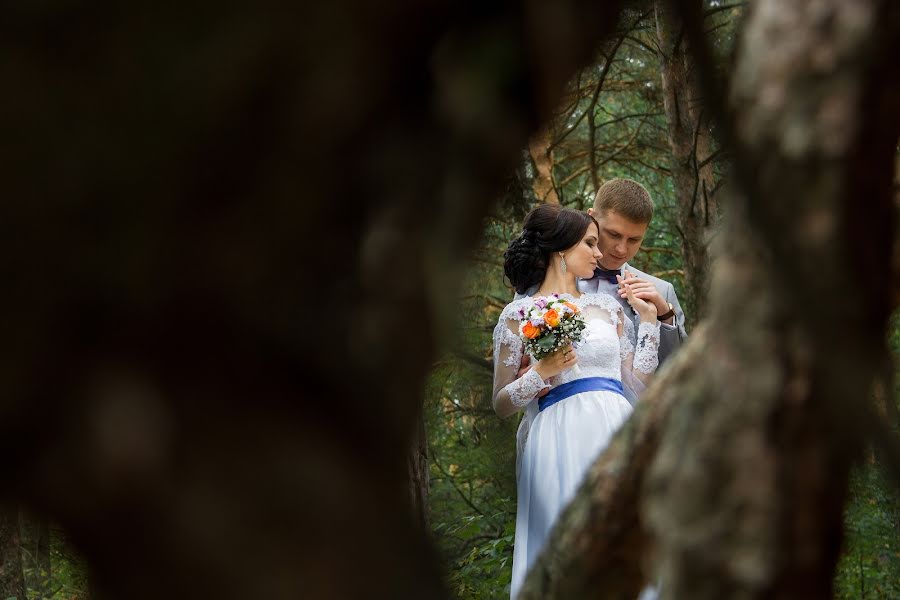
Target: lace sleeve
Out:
[640,353]
[646,351]
[511,394]
[626,340]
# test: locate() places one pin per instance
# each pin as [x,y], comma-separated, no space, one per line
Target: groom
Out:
[623,209]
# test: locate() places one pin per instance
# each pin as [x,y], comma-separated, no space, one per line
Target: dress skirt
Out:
[563,441]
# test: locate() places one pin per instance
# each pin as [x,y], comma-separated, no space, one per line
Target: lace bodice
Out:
[610,348]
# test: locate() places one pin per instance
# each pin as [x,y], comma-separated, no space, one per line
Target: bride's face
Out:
[583,257]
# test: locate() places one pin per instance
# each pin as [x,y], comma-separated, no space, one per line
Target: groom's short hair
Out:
[626,197]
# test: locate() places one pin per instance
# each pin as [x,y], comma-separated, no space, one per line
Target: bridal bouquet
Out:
[550,324]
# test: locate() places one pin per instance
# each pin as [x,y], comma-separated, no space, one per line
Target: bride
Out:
[564,431]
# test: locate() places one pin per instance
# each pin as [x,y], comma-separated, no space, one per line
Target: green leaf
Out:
[546,343]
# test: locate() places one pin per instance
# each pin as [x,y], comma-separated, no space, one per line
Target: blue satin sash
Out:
[587,384]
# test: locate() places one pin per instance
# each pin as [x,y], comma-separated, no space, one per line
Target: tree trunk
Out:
[691,164]
[735,464]
[418,475]
[12,579]
[542,158]
[233,253]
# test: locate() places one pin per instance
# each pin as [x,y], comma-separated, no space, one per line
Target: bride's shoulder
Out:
[515,310]
[602,300]
[604,303]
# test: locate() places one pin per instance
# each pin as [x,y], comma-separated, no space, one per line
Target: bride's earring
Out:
[562,262]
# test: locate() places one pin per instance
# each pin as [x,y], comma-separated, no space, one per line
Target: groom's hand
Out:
[524,365]
[646,291]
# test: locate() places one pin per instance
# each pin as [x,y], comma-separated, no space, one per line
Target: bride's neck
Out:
[557,282]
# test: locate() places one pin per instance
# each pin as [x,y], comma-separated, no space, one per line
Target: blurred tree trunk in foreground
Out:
[231,240]
[733,472]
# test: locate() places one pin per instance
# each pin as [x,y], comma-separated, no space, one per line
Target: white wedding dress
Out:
[556,445]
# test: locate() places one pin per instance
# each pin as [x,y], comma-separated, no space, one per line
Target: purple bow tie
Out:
[605,275]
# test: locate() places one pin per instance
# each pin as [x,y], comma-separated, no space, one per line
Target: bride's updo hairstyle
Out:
[548,229]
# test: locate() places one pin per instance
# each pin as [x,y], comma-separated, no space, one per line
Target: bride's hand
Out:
[556,363]
[646,310]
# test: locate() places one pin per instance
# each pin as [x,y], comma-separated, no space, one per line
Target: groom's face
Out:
[620,238]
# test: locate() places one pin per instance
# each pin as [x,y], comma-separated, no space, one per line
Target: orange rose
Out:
[551,318]
[530,331]
[572,306]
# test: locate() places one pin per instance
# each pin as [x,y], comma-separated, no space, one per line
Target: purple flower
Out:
[541,302]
